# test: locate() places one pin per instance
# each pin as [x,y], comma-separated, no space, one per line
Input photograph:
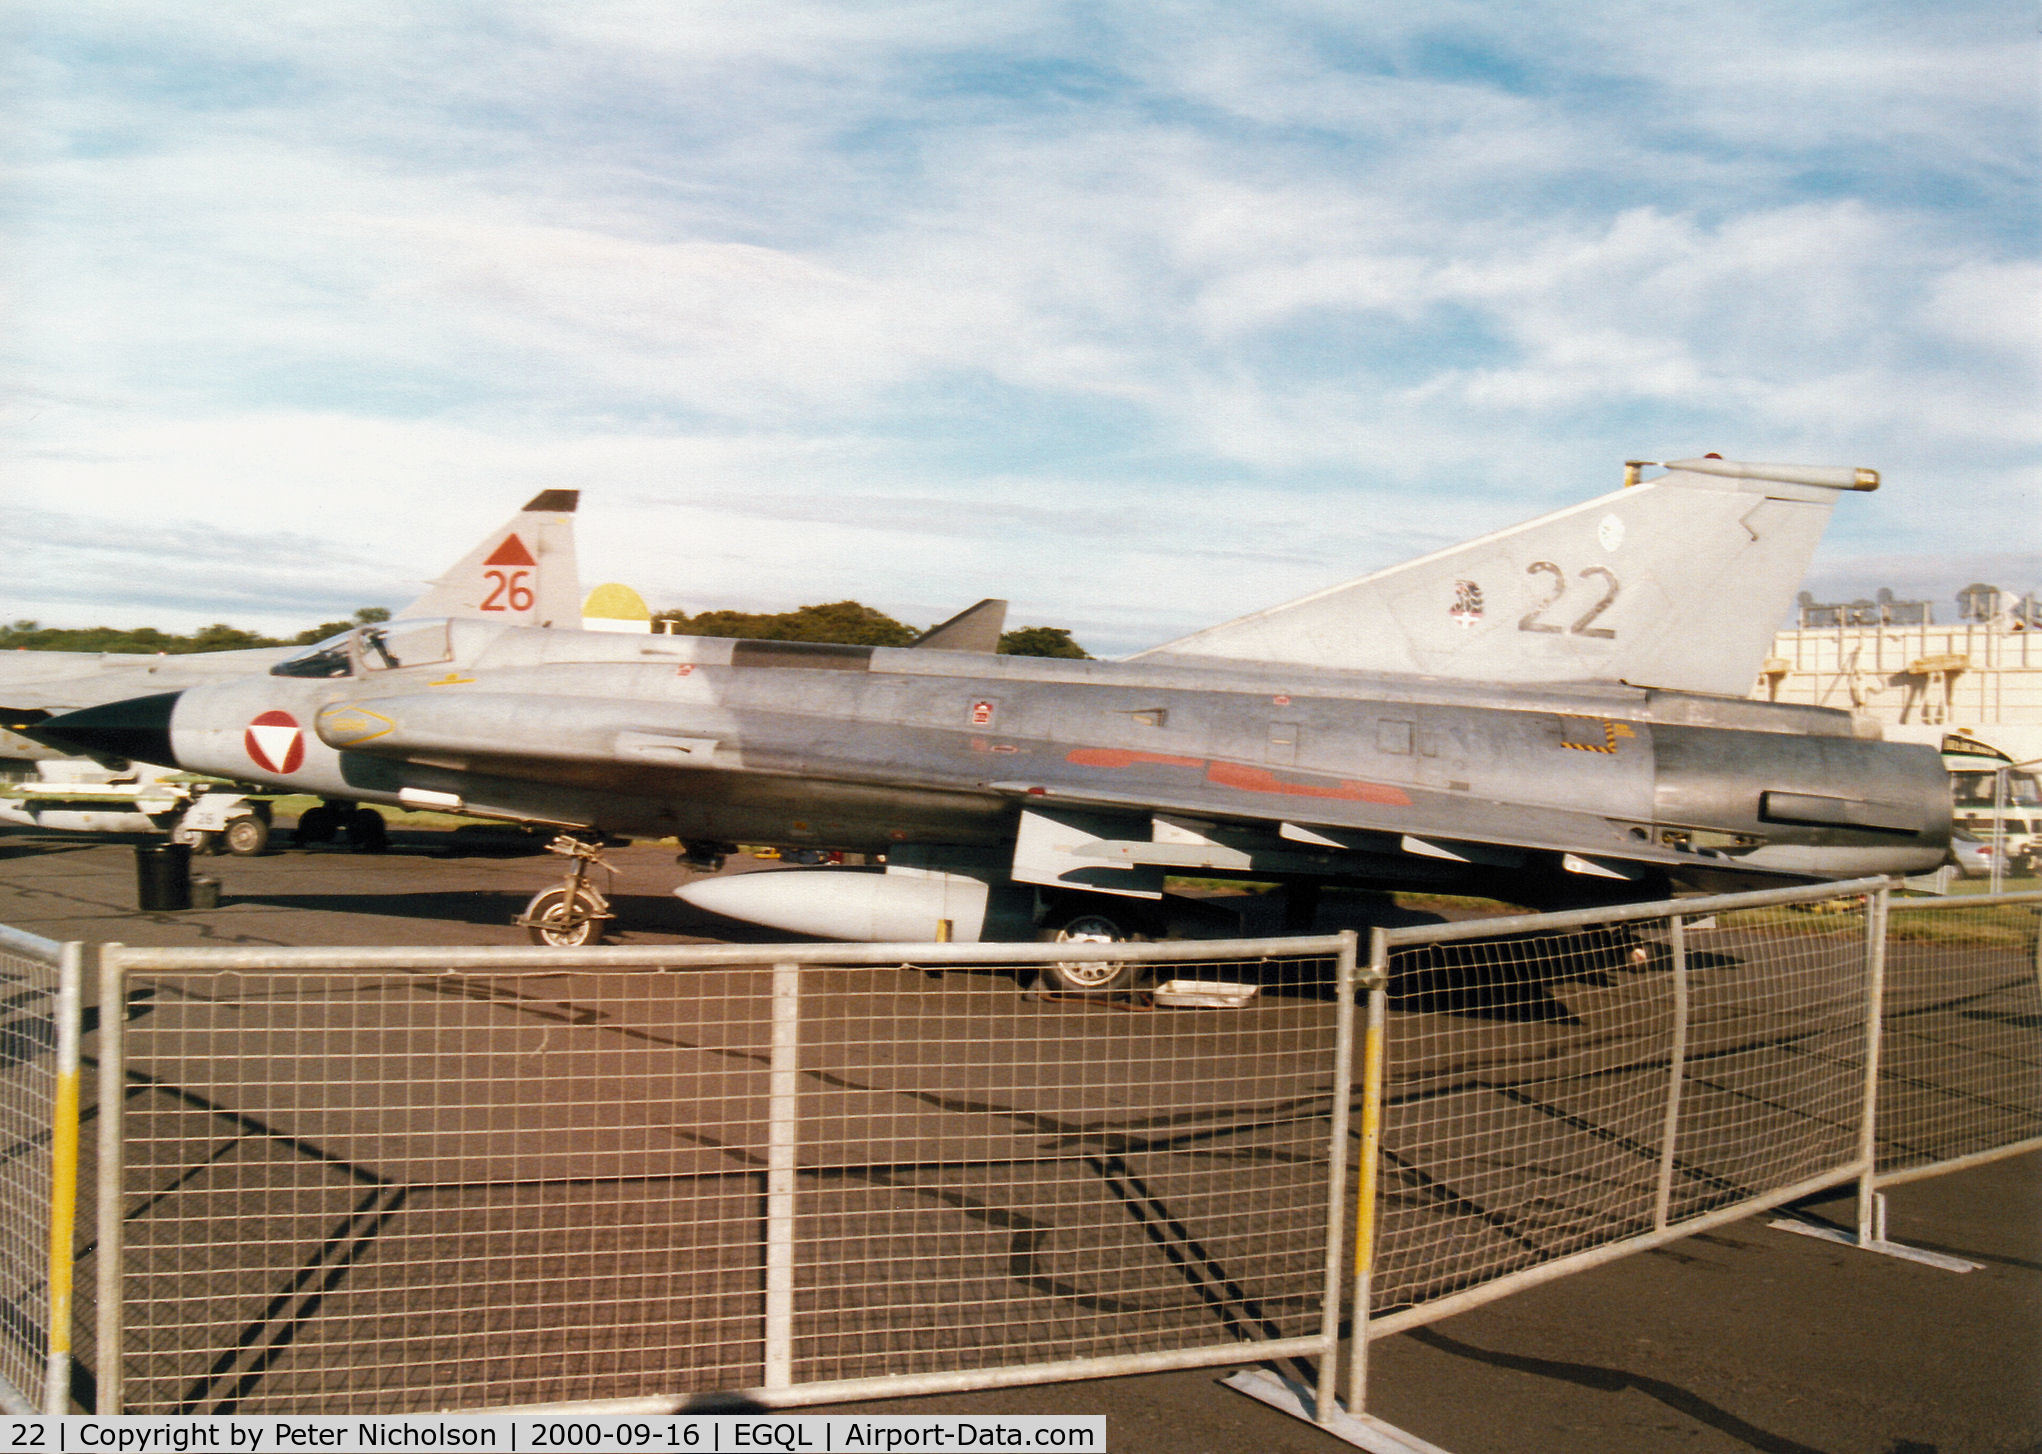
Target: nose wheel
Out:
[573,912]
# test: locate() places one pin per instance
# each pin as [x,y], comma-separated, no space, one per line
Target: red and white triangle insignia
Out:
[275,743]
[511,552]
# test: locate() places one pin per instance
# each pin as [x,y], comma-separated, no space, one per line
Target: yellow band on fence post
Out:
[1371,1140]
[1365,1172]
[63,1180]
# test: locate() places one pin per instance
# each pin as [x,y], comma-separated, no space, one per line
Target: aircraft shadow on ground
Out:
[21,841]
[1519,978]
[37,850]
[1524,994]
[472,907]
[1470,979]
[1474,979]
[428,845]
[636,913]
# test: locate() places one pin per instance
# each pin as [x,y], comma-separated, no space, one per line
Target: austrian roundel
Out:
[276,742]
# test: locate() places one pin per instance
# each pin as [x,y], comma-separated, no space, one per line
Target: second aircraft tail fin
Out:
[522,574]
[1679,582]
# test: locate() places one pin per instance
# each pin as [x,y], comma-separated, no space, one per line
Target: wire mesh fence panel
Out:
[1961,1054]
[990,1179]
[409,1191]
[28,1096]
[422,1188]
[1552,1093]
[1774,1090]
[1525,1097]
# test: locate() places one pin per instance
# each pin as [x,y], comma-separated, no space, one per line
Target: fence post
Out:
[1371,1143]
[782,1134]
[113,1088]
[1325,1402]
[64,1178]
[2038,947]
[1871,1217]
[1676,1059]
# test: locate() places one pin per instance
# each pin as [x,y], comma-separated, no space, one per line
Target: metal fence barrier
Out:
[1561,1090]
[1547,1093]
[641,1180]
[39,1024]
[402,1180]
[1961,1056]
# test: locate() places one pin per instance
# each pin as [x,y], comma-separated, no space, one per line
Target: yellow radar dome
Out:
[612,607]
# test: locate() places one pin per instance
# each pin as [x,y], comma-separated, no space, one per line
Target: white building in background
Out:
[1979,676]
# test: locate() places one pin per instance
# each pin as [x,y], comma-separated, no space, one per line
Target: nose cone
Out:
[137,728]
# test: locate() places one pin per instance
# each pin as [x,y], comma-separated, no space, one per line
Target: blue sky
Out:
[1141,315]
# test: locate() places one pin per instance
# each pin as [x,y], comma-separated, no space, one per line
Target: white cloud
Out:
[914,301]
[1988,307]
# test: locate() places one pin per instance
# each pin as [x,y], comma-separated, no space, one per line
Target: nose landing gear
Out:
[573,912]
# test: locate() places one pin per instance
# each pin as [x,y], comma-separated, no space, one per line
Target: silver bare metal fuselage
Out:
[1171,764]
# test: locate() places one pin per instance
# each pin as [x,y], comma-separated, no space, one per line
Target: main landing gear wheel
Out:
[564,919]
[1089,977]
[317,825]
[366,831]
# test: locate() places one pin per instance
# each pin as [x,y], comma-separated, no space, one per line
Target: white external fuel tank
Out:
[896,904]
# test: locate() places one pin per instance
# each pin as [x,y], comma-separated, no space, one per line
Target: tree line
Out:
[148,641]
[851,623]
[845,622]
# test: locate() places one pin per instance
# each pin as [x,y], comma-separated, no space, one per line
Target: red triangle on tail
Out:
[511,552]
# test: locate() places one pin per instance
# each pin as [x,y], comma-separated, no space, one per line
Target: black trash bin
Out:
[163,876]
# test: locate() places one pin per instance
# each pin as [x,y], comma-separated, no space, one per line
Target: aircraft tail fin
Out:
[1678,582]
[522,574]
[975,628]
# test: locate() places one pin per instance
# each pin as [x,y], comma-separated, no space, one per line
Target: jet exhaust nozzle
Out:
[135,728]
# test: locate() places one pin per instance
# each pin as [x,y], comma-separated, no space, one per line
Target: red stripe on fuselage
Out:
[1121,757]
[1260,780]
[1243,779]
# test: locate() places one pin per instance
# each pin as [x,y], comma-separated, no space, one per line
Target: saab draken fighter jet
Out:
[1550,714]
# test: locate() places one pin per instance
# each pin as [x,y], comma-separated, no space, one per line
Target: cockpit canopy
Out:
[385,646]
[329,658]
